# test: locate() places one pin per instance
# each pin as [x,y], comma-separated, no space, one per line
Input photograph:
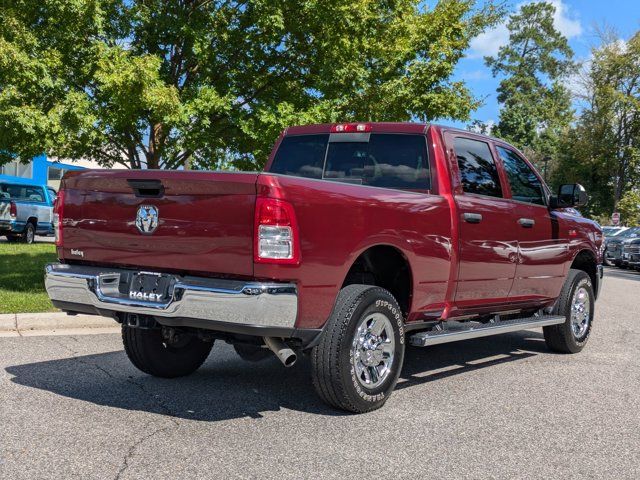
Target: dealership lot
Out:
[499,407]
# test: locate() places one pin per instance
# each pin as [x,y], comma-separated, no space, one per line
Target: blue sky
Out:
[578,20]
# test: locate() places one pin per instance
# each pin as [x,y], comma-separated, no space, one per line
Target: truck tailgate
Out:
[205,220]
[5,208]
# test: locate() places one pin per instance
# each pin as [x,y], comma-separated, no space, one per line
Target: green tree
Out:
[209,83]
[629,208]
[535,106]
[602,150]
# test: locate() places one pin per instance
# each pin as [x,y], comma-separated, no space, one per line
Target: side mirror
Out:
[570,195]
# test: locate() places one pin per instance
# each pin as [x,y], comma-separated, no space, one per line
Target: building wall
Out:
[40,171]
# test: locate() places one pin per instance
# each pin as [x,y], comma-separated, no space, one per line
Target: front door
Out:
[542,252]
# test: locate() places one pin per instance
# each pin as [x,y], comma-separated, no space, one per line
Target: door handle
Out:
[472,217]
[527,222]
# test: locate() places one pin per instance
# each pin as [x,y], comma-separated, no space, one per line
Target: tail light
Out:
[276,232]
[58,216]
[13,210]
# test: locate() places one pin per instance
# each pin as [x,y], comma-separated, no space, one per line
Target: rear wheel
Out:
[356,365]
[29,234]
[576,303]
[150,352]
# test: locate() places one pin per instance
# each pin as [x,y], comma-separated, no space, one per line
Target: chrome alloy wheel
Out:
[373,350]
[580,312]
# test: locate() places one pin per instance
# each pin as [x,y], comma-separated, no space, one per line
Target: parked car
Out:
[631,253]
[614,246]
[26,211]
[355,240]
[611,231]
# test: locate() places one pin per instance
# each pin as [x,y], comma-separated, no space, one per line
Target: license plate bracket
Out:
[151,287]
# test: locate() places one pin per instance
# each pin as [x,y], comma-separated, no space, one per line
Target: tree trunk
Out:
[156,138]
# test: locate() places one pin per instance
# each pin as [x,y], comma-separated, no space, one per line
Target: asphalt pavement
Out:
[500,407]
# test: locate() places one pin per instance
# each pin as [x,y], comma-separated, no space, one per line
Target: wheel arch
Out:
[587,261]
[386,266]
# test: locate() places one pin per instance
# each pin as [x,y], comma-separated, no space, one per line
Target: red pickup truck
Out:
[356,240]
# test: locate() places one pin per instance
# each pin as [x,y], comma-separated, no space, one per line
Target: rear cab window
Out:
[389,160]
[21,193]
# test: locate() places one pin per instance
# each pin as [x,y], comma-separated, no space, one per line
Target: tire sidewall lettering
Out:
[395,314]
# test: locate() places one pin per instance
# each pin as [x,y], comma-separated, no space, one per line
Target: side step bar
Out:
[453,331]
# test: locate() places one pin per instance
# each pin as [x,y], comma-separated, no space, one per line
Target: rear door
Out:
[488,248]
[542,253]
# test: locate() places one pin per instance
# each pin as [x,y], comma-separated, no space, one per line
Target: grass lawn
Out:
[22,277]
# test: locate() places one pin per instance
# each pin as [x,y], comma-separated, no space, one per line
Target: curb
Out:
[25,322]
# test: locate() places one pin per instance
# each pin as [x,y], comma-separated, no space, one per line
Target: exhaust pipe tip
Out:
[290,360]
[286,356]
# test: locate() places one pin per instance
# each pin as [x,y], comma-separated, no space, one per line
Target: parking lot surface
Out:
[498,407]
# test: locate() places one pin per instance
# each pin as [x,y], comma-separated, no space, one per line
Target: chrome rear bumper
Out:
[208,302]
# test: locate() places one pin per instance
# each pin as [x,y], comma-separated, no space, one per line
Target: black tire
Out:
[562,338]
[148,351]
[29,234]
[252,353]
[332,360]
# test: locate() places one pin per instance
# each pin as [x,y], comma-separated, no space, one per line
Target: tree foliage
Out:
[535,105]
[167,83]
[602,150]
[629,208]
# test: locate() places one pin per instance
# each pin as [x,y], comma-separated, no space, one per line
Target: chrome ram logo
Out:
[147,218]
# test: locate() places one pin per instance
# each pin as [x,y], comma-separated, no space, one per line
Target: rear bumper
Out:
[10,226]
[266,309]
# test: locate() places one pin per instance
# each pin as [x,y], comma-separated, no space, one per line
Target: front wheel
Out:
[356,365]
[576,303]
[150,352]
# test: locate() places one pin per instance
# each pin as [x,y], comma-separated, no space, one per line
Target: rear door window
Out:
[387,160]
[478,171]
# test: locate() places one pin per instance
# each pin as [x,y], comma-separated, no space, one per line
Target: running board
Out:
[453,331]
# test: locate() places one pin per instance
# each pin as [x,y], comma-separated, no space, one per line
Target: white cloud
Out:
[489,42]
[569,27]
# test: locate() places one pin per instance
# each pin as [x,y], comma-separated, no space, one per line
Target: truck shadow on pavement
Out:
[227,387]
